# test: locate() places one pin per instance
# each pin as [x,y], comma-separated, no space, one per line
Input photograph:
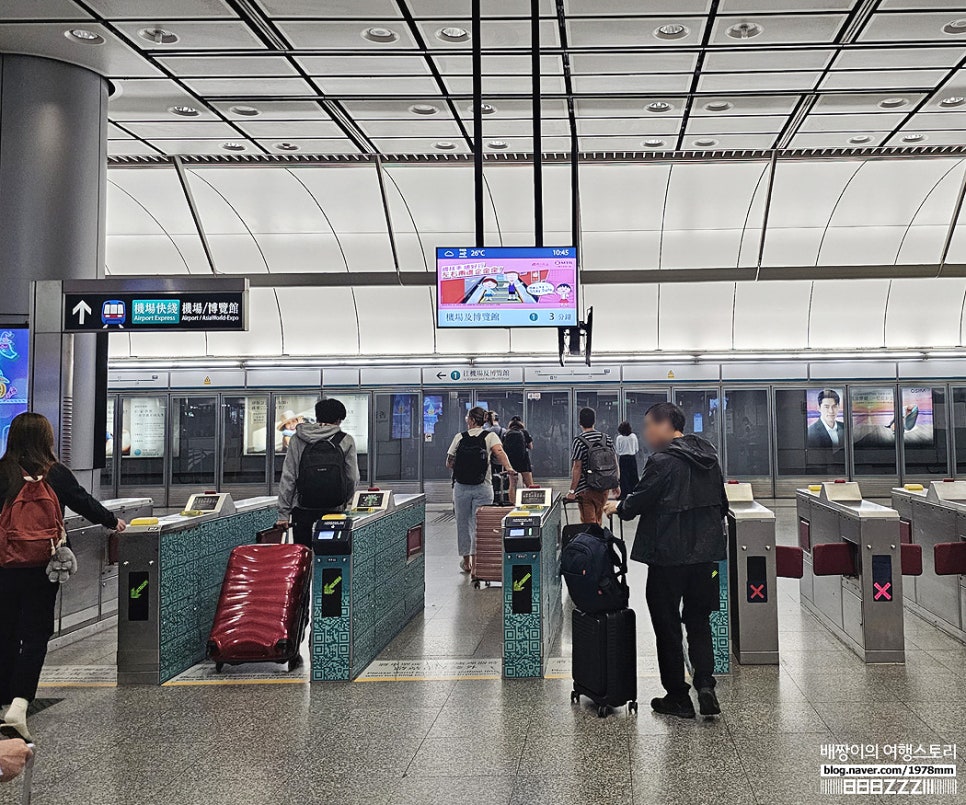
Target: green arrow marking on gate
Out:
[520,584]
[136,592]
[329,588]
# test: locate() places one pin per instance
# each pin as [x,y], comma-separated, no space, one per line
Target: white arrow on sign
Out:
[81,310]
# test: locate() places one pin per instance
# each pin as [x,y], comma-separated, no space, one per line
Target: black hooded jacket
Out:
[681,501]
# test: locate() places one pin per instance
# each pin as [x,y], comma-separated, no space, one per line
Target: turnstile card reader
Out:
[218,503]
[752,578]
[332,535]
[532,603]
[863,608]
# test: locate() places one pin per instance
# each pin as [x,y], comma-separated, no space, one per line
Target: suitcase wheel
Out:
[601,711]
[574,697]
[632,707]
[218,667]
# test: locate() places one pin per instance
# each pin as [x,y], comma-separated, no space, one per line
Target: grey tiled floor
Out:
[492,741]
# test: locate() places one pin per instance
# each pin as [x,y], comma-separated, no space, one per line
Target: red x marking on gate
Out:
[882,591]
[757,591]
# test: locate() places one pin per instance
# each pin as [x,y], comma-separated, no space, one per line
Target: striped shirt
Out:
[579,453]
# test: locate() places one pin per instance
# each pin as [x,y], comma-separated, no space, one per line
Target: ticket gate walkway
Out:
[852,579]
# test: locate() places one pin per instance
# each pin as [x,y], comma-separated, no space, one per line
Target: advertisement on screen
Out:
[825,417]
[142,432]
[402,416]
[432,411]
[290,412]
[873,417]
[14,368]
[916,418]
[506,287]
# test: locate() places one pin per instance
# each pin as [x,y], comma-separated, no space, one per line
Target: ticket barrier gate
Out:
[933,522]
[532,601]
[755,564]
[852,580]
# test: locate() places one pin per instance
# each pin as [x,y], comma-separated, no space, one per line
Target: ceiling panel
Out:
[490,8]
[364,65]
[50,9]
[851,122]
[757,82]
[337,35]
[750,105]
[494,34]
[779,29]
[327,145]
[249,87]
[735,61]
[635,126]
[216,66]
[883,79]
[442,127]
[762,124]
[213,35]
[203,147]
[848,103]
[182,129]
[169,9]
[608,62]
[272,110]
[913,27]
[889,57]
[288,129]
[752,6]
[388,85]
[357,9]
[643,84]
[151,100]
[630,31]
[836,139]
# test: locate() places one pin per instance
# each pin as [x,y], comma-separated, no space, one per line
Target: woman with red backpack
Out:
[34,489]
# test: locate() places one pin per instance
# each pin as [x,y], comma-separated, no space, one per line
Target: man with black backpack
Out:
[469,459]
[320,472]
[681,501]
[595,471]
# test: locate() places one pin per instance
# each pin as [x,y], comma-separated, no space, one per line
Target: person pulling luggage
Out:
[320,472]
[682,503]
[469,458]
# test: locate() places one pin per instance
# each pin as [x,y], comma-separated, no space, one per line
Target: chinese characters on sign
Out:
[196,310]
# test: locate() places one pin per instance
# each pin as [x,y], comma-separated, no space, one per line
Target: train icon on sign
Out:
[113,313]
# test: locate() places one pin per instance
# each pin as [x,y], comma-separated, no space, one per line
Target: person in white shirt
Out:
[627,448]
[827,431]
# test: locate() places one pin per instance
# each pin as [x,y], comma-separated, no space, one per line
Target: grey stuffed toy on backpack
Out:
[62,565]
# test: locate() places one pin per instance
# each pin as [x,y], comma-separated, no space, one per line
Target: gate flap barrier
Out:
[834,559]
[789,562]
[911,559]
[950,558]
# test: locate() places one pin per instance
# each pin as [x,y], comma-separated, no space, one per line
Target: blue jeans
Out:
[467,498]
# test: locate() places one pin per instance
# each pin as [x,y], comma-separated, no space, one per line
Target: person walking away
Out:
[594,470]
[518,443]
[320,472]
[29,474]
[627,449]
[501,485]
[682,503]
[469,458]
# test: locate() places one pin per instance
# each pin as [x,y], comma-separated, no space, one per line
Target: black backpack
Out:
[515,443]
[323,482]
[594,566]
[600,465]
[472,459]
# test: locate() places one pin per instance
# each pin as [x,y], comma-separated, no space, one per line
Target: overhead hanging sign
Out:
[158,304]
[449,375]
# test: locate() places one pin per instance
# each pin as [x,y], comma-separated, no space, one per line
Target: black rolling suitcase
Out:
[605,659]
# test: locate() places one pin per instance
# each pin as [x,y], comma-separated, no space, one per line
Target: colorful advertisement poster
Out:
[14,370]
[824,418]
[506,287]
[142,433]
[402,416]
[916,418]
[873,417]
[432,411]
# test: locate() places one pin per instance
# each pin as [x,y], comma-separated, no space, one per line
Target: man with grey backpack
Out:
[595,472]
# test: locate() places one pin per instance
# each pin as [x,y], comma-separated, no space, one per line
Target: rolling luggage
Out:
[501,489]
[571,530]
[263,608]
[488,563]
[605,659]
[28,778]
[275,535]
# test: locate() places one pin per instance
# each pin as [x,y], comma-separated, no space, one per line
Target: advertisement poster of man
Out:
[825,427]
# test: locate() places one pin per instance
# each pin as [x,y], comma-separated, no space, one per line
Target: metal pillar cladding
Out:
[532,600]
[752,578]
[53,191]
[857,595]
[931,517]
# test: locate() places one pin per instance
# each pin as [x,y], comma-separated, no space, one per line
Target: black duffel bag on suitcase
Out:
[605,659]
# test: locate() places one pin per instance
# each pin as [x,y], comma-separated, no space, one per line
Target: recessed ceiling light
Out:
[658,106]
[705,142]
[184,111]
[452,33]
[498,145]
[84,36]
[423,109]
[952,100]
[286,147]
[444,145]
[913,138]
[244,111]
[653,143]
[860,139]
[892,103]
[955,27]
[485,108]
[745,30]
[233,146]
[380,35]
[718,106]
[158,36]
[671,31]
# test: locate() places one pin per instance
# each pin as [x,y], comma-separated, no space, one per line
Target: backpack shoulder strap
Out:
[620,553]
[337,438]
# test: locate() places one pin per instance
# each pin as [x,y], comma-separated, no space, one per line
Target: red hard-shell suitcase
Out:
[263,609]
[488,564]
[605,659]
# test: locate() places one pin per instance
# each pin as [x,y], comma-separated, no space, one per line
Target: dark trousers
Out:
[697,588]
[629,474]
[303,520]
[27,599]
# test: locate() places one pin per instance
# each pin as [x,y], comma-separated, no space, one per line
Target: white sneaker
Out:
[16,718]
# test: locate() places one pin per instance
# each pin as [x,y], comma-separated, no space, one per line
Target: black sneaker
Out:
[679,706]
[708,702]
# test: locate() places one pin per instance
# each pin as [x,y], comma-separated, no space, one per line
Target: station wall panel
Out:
[771,315]
[847,314]
[923,313]
[696,316]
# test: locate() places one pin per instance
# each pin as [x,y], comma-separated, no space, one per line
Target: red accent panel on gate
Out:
[950,558]
[833,559]
[789,562]
[905,531]
[911,556]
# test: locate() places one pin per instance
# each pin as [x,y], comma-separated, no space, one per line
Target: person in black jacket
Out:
[27,596]
[681,501]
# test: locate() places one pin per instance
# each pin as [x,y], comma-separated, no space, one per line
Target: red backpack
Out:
[31,525]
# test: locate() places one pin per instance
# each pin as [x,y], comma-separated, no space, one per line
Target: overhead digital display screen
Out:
[506,287]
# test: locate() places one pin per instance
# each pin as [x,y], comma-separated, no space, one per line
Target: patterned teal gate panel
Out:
[522,635]
[721,625]
[331,635]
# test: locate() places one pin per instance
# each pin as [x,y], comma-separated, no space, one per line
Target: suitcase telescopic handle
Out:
[28,775]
